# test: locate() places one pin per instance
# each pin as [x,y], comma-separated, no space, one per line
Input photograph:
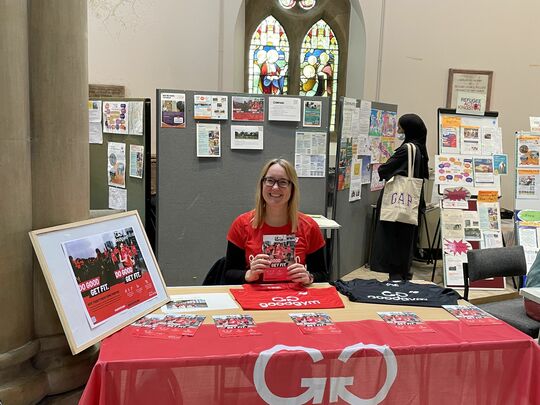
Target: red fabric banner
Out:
[458,364]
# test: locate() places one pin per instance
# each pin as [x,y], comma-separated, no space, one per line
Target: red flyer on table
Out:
[405,321]
[314,323]
[472,315]
[280,248]
[168,326]
[235,325]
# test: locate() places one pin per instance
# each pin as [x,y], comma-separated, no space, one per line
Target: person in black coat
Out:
[394,242]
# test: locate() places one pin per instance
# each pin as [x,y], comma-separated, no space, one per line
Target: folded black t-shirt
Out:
[397,293]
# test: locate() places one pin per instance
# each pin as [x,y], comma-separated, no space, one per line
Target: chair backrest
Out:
[496,262]
[493,262]
[216,274]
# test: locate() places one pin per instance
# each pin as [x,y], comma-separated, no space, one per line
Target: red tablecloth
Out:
[456,364]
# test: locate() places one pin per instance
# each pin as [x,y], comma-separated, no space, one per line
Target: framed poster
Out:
[470,81]
[102,275]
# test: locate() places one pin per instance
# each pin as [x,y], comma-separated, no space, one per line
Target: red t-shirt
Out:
[309,238]
[318,298]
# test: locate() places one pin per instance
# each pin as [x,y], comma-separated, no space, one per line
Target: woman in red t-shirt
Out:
[276,213]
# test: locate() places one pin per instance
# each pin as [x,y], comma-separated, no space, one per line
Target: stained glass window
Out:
[319,64]
[268,58]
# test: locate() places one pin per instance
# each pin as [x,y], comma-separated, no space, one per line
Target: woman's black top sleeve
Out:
[235,264]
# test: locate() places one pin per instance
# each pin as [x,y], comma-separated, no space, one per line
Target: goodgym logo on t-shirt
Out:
[288,301]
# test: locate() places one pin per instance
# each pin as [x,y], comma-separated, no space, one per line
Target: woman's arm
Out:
[397,164]
[316,265]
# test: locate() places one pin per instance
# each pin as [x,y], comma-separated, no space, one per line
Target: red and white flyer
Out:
[280,248]
[405,322]
[314,323]
[235,325]
[472,315]
[167,326]
[110,272]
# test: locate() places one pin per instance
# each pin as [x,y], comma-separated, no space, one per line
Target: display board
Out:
[199,197]
[366,135]
[119,126]
[468,167]
[467,146]
[527,193]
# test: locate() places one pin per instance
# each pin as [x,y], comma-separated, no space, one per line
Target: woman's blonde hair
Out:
[292,208]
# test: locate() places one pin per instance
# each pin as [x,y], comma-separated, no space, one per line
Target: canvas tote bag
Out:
[401,195]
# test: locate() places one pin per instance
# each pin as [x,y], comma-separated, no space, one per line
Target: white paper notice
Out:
[117,198]
[136,109]
[95,132]
[355,189]
[208,140]
[247,137]
[199,302]
[284,109]
[310,154]
[94,111]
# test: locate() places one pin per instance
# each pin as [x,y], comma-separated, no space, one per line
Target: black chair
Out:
[216,274]
[501,262]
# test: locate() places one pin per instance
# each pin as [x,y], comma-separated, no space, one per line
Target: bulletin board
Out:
[199,197]
[452,142]
[138,189]
[356,217]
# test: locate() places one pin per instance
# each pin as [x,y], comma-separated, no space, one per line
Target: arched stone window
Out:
[319,64]
[317,28]
[268,58]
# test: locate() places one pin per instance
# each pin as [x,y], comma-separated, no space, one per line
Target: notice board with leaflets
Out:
[211,147]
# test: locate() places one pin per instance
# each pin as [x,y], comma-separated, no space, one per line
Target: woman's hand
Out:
[298,274]
[257,265]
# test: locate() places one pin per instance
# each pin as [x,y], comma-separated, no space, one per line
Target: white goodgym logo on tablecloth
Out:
[316,386]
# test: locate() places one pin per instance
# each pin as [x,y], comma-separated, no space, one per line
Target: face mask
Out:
[400,136]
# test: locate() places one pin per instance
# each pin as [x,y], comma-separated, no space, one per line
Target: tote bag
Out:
[401,195]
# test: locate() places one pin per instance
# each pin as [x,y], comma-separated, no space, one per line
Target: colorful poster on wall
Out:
[470,140]
[208,140]
[94,110]
[115,117]
[527,184]
[173,110]
[136,161]
[376,182]
[376,122]
[355,189]
[110,272]
[528,150]
[312,113]
[210,107]
[454,170]
[116,164]
[248,108]
[500,164]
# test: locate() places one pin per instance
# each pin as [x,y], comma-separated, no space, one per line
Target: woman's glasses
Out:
[282,183]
